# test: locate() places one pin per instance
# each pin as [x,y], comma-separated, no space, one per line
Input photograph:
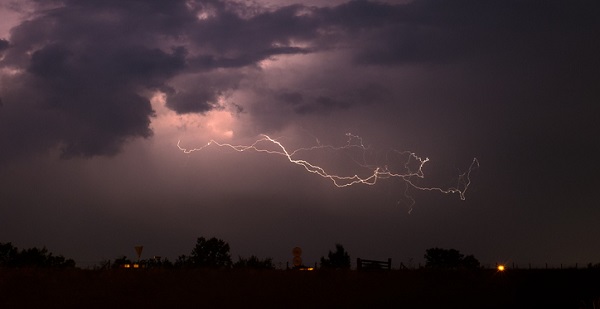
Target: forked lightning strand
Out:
[375,172]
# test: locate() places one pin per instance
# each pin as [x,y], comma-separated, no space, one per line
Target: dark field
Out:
[27,288]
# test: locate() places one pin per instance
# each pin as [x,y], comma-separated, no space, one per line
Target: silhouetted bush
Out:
[157,263]
[124,262]
[121,261]
[449,259]
[340,259]
[10,256]
[211,253]
[254,262]
[591,265]
[470,262]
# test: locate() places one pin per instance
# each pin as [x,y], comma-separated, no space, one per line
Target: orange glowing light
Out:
[306,268]
[501,268]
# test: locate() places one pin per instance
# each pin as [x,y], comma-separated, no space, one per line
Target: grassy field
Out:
[570,288]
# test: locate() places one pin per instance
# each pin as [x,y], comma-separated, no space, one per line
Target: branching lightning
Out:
[412,164]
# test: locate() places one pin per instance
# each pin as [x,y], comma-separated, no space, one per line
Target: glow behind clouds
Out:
[168,125]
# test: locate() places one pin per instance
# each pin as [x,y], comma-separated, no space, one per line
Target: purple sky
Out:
[96,94]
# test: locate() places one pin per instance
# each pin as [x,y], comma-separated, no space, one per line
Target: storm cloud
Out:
[95,64]
[112,86]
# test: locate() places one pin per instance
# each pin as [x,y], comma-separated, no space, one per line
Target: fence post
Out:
[389,263]
[358,264]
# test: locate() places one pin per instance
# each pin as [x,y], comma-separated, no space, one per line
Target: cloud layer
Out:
[112,85]
[88,68]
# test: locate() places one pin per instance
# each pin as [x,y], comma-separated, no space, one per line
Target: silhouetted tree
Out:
[182,261]
[449,259]
[59,261]
[470,262]
[254,262]
[593,265]
[10,256]
[212,253]
[157,263]
[340,259]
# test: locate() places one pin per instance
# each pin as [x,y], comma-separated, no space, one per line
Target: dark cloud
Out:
[197,101]
[321,104]
[266,33]
[210,62]
[365,94]
[100,96]
[293,98]
[94,63]
[358,15]
[90,64]
[443,31]
[201,92]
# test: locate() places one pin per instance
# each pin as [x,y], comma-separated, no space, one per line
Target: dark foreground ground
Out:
[28,288]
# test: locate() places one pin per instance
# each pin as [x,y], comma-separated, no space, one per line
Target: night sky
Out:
[95,96]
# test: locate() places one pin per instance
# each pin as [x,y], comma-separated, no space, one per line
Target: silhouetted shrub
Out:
[121,261]
[10,256]
[340,259]
[211,253]
[449,259]
[254,262]
[124,262]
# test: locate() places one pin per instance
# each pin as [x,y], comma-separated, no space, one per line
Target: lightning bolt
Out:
[411,172]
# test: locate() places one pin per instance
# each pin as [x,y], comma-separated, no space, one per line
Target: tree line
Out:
[207,253]
[215,253]
[11,256]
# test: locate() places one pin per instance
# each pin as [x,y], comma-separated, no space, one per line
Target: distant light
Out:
[501,268]
[306,268]
[126,265]
[136,265]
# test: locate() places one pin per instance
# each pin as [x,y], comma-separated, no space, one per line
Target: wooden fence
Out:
[362,264]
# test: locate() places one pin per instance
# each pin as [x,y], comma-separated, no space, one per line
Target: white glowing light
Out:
[206,12]
[266,144]
[203,16]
